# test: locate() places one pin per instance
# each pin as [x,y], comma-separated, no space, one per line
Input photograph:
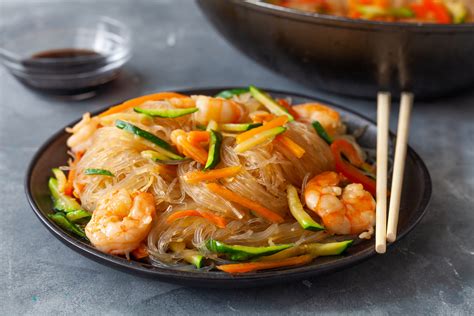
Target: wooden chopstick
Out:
[383,114]
[406,104]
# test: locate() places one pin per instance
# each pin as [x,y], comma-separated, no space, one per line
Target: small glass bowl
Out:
[35,34]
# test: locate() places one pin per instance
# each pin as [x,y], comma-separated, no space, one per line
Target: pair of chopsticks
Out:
[384,232]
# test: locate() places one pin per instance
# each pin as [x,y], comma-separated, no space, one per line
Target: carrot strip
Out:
[291,145]
[260,265]
[279,121]
[140,252]
[198,176]
[195,152]
[198,137]
[140,100]
[236,198]
[215,219]
[288,107]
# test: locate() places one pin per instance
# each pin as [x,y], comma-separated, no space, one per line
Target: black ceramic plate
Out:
[416,194]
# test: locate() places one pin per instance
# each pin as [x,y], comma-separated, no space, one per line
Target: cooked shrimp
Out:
[82,132]
[328,117]
[120,223]
[217,109]
[344,211]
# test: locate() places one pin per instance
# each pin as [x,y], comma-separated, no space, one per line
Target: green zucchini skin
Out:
[61,220]
[214,156]
[62,202]
[148,136]
[230,127]
[269,103]
[227,94]
[328,249]
[322,132]
[296,209]
[99,172]
[242,253]
[166,113]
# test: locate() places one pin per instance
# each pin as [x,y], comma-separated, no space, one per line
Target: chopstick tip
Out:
[391,237]
[381,248]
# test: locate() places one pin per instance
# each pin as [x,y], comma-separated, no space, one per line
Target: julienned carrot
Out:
[198,137]
[291,145]
[195,152]
[198,176]
[236,198]
[215,219]
[263,265]
[288,107]
[140,100]
[279,121]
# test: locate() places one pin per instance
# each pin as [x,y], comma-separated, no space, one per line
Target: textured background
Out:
[430,272]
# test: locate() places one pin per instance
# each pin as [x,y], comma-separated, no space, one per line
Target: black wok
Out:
[346,56]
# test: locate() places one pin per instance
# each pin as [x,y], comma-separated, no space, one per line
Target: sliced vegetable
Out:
[402,12]
[154,155]
[100,172]
[61,201]
[140,100]
[264,265]
[341,147]
[372,11]
[61,220]
[313,249]
[279,121]
[68,190]
[296,209]
[240,253]
[232,127]
[458,10]
[322,132]
[293,147]
[191,256]
[166,113]
[196,138]
[211,175]
[214,154]
[219,221]
[212,125]
[194,152]
[288,108]
[167,148]
[61,177]
[227,94]
[236,198]
[259,139]
[269,103]
[79,216]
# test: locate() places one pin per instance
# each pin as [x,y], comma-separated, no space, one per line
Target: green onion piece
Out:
[227,94]
[322,132]
[166,113]
[98,172]
[61,220]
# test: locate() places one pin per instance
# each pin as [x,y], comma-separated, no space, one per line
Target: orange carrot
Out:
[288,107]
[263,117]
[279,121]
[198,137]
[140,252]
[198,176]
[215,219]
[69,188]
[236,198]
[263,265]
[140,100]
[291,145]
[195,152]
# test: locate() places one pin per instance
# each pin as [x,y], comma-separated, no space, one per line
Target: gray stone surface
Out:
[430,272]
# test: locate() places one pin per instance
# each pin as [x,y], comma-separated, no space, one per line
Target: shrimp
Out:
[328,117]
[344,211]
[82,132]
[120,223]
[217,109]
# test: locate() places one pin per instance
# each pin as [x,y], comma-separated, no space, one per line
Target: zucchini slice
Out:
[240,253]
[61,201]
[313,249]
[214,156]
[61,177]
[231,127]
[322,132]
[259,139]
[296,209]
[269,103]
[227,94]
[167,148]
[79,216]
[166,113]
[61,220]
[98,172]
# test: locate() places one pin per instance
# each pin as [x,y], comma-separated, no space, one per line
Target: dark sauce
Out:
[47,70]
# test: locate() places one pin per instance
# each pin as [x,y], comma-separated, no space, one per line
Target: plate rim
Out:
[217,279]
